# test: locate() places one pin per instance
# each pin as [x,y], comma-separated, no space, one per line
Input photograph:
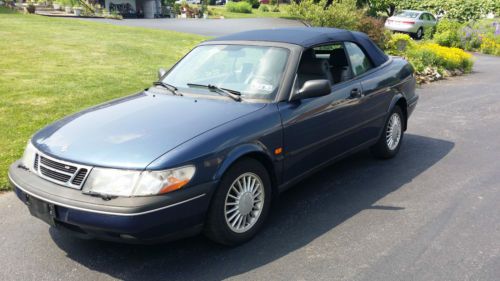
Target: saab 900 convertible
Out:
[208,147]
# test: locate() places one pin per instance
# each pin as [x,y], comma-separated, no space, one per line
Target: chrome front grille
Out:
[61,172]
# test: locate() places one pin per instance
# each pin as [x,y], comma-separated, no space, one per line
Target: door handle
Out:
[355,93]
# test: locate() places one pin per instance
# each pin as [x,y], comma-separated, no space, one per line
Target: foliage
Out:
[490,46]
[470,36]
[68,3]
[255,3]
[177,8]
[443,58]
[169,3]
[239,7]
[80,65]
[374,28]
[30,8]
[386,6]
[398,44]
[343,14]
[448,33]
[460,10]
[263,8]
[275,9]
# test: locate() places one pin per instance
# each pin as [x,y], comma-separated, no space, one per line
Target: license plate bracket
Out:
[41,209]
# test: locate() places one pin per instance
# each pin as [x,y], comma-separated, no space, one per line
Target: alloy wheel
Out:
[244,202]
[393,132]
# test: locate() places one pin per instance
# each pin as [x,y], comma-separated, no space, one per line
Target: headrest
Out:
[309,64]
[338,58]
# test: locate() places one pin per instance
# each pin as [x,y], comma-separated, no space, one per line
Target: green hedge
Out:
[239,7]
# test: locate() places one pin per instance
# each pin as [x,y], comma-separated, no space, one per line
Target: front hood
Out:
[133,131]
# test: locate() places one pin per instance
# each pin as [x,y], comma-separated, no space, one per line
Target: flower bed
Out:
[430,60]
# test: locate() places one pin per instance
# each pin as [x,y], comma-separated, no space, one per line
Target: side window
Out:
[431,17]
[359,61]
[423,17]
[335,58]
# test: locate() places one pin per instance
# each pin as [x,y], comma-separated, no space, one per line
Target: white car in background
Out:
[416,23]
[190,2]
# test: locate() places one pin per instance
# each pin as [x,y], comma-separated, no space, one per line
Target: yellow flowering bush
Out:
[489,46]
[433,55]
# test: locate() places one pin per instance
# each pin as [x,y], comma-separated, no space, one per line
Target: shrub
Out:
[239,7]
[255,3]
[430,54]
[275,9]
[448,33]
[30,8]
[340,14]
[264,8]
[398,43]
[374,28]
[489,46]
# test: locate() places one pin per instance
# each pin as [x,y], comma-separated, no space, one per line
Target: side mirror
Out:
[161,72]
[312,89]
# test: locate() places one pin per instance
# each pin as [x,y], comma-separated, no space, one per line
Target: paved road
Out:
[432,213]
[207,27]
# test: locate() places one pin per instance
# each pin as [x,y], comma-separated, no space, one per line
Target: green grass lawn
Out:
[52,67]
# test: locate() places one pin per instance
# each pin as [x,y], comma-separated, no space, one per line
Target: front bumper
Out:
[139,219]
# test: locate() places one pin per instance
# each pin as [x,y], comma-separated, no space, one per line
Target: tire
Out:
[228,229]
[419,34]
[384,148]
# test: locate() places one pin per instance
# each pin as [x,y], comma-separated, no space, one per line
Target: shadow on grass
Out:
[312,208]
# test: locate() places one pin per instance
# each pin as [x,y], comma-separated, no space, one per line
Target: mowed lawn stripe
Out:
[51,67]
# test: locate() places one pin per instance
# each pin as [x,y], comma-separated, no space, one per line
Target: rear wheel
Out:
[390,141]
[240,204]
[418,35]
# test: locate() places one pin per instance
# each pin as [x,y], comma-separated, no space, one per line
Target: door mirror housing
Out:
[312,89]
[161,73]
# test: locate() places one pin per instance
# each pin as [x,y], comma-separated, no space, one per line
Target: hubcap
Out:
[393,133]
[244,202]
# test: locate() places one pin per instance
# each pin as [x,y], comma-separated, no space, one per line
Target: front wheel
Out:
[390,141]
[240,204]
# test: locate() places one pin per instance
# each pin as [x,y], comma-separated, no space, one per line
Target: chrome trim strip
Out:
[105,212]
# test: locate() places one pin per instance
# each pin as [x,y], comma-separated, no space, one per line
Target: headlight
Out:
[28,159]
[136,183]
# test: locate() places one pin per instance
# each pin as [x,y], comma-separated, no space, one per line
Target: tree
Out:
[387,6]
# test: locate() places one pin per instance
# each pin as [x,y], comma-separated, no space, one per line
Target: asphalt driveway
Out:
[432,213]
[207,27]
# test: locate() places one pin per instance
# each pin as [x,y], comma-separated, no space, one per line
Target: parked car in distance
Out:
[190,2]
[416,23]
[220,2]
[211,144]
[264,1]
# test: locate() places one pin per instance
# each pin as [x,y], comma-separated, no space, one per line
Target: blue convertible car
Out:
[206,149]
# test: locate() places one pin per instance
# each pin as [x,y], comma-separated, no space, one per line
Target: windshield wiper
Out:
[235,95]
[169,87]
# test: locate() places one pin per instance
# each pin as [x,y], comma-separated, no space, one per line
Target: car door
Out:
[427,23]
[375,96]
[432,21]
[317,130]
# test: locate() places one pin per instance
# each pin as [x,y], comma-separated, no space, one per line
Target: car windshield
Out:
[408,14]
[255,72]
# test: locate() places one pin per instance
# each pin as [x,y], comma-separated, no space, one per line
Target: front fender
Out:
[240,151]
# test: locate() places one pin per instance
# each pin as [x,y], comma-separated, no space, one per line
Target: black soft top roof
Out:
[308,37]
